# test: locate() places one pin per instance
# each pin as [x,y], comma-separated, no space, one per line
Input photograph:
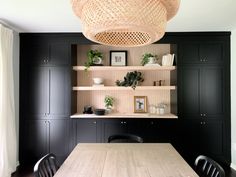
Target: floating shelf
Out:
[120,115]
[124,68]
[81,88]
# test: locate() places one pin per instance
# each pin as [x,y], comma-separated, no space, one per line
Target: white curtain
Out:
[8,140]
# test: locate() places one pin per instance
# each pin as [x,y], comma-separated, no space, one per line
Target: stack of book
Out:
[168,60]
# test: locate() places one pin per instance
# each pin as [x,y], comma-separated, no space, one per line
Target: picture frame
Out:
[118,58]
[140,104]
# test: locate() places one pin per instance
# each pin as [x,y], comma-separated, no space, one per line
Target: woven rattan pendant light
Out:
[125,23]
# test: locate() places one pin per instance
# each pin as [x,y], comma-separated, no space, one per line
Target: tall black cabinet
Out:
[45,98]
[204,96]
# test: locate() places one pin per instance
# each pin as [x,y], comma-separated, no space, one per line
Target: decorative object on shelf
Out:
[152,109]
[161,108]
[98,81]
[118,58]
[148,58]
[99,112]
[168,60]
[125,23]
[140,104]
[94,58]
[109,102]
[131,79]
[87,110]
[161,82]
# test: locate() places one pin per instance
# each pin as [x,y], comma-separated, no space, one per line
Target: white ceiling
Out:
[57,16]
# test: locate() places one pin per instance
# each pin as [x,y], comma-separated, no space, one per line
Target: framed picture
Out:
[140,104]
[118,58]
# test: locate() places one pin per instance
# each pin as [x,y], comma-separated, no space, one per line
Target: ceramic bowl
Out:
[98,80]
[99,112]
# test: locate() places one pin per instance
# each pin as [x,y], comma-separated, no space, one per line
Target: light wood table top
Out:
[125,160]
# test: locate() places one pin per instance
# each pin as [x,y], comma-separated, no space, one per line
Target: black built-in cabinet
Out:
[203,87]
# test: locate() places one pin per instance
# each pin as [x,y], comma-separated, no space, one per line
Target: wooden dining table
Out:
[125,160]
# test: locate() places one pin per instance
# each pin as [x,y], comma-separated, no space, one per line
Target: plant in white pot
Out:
[148,58]
[109,102]
[94,57]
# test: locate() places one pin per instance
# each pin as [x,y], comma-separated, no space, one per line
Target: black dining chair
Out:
[206,167]
[46,167]
[125,138]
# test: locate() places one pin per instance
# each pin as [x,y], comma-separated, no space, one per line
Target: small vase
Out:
[97,60]
[108,110]
[152,60]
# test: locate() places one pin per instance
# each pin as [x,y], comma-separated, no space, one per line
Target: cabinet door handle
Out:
[121,122]
[125,122]
[94,122]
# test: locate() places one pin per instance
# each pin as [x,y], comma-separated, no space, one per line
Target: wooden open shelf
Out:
[116,88]
[86,93]
[125,68]
[125,115]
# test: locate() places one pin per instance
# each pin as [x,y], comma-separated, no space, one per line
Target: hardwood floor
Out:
[28,172]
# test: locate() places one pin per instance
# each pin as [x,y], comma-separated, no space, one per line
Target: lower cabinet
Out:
[44,136]
[85,131]
[201,137]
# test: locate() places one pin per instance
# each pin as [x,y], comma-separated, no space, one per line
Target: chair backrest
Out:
[46,166]
[206,167]
[125,138]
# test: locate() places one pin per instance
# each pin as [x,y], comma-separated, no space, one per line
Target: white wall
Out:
[233,98]
[16,65]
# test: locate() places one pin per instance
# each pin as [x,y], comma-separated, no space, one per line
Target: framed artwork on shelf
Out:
[140,104]
[118,58]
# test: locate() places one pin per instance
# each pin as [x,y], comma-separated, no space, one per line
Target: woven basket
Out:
[125,23]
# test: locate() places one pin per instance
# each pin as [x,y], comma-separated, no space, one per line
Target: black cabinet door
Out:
[112,127]
[59,92]
[189,139]
[49,92]
[201,53]
[86,131]
[189,91]
[48,54]
[213,84]
[189,53]
[58,138]
[37,53]
[211,52]
[58,54]
[212,137]
[35,140]
[38,92]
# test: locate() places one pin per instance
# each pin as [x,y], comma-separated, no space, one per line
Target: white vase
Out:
[97,60]
[108,111]
[151,60]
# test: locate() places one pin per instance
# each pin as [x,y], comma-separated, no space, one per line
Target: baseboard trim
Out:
[233,166]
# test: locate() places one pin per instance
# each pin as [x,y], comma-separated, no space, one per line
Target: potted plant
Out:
[131,79]
[148,58]
[94,57]
[109,102]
